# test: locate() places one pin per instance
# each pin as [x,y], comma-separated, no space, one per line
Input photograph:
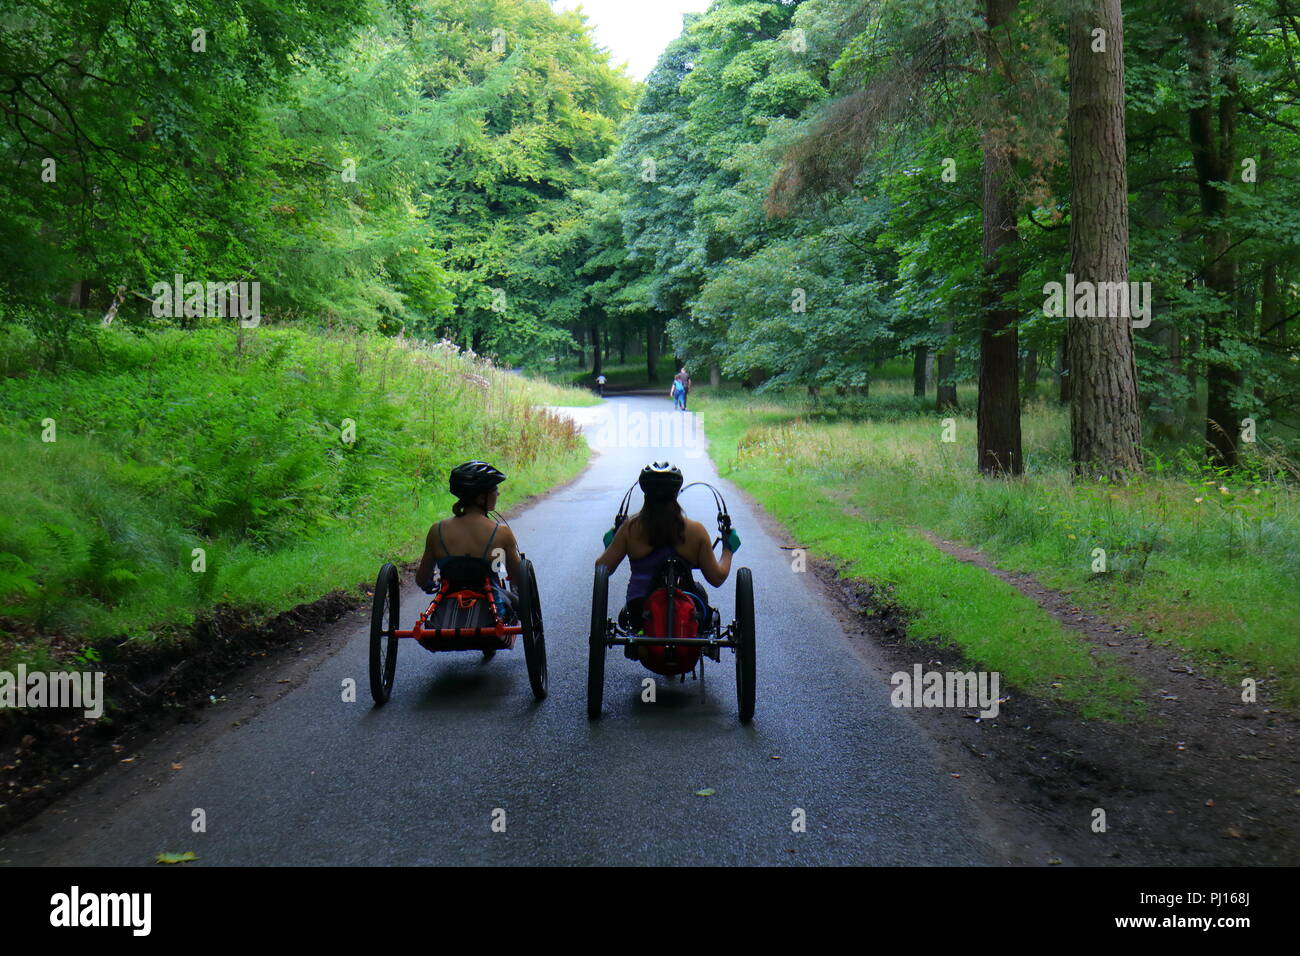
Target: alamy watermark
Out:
[637,429]
[177,299]
[70,690]
[77,909]
[1100,300]
[922,688]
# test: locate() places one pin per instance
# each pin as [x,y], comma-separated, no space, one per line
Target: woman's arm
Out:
[424,573]
[714,571]
[511,548]
[616,551]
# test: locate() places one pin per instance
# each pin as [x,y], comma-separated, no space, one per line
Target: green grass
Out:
[1216,576]
[184,441]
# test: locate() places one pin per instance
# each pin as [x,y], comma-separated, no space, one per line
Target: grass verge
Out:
[169,475]
[1205,559]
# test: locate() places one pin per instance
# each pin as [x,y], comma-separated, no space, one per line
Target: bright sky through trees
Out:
[635,33]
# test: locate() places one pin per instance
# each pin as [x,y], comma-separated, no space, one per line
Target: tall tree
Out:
[1212,124]
[1105,423]
[998,411]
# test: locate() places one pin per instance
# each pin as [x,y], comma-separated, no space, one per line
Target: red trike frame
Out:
[501,636]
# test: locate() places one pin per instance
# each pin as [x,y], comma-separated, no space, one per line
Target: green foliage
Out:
[372,165]
[237,446]
[1204,556]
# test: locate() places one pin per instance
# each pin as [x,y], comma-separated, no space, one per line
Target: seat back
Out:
[462,572]
[674,572]
[681,617]
[462,609]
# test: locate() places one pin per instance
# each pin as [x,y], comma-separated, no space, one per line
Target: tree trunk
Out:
[946,384]
[1063,368]
[597,349]
[1166,414]
[622,345]
[918,371]
[1212,125]
[1105,424]
[715,374]
[997,413]
[1270,309]
[1031,371]
[1190,370]
[651,350]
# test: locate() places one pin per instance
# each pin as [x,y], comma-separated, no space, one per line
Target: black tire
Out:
[530,617]
[384,617]
[745,643]
[596,655]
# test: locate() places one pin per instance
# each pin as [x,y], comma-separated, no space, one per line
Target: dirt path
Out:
[1205,779]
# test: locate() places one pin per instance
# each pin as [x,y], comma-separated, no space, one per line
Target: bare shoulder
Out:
[507,537]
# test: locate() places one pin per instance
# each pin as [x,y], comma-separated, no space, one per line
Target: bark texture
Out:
[918,371]
[1212,124]
[1106,427]
[998,412]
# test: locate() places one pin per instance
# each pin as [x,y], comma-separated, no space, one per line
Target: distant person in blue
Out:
[684,379]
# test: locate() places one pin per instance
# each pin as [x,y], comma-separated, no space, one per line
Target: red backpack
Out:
[662,659]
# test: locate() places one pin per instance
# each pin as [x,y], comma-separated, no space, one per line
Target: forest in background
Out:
[798,192]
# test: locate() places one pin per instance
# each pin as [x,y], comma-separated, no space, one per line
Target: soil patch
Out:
[44,753]
[1203,779]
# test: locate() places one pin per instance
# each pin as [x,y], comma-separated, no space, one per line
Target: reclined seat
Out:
[467,583]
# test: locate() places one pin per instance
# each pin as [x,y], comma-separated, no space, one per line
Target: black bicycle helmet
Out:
[473,478]
[661,480]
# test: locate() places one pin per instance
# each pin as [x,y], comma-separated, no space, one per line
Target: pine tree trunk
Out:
[946,385]
[1106,427]
[997,413]
[651,350]
[597,350]
[998,410]
[1212,125]
[918,371]
[1063,368]
[1270,308]
[1031,371]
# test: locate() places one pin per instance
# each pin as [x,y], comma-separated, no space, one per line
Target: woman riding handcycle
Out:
[472,609]
[667,623]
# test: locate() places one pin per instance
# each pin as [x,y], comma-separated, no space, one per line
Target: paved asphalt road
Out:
[313,780]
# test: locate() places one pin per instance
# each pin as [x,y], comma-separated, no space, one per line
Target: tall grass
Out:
[295,461]
[1206,558]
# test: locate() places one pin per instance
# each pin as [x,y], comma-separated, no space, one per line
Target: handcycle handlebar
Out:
[725,531]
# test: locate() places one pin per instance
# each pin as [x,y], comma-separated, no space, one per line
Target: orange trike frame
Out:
[501,636]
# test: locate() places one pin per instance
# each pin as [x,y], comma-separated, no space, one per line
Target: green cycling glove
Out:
[732,542]
[609,537]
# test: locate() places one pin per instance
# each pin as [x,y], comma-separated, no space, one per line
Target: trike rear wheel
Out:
[384,615]
[745,644]
[596,645]
[530,617]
